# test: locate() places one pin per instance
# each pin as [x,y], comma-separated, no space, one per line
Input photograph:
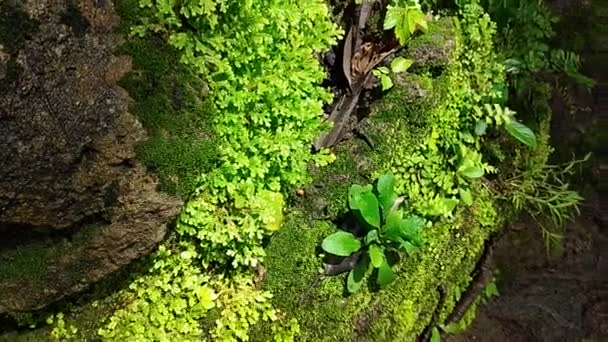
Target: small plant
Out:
[405,17]
[506,118]
[398,65]
[387,229]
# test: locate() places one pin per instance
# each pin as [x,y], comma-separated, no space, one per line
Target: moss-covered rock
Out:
[417,113]
[171,101]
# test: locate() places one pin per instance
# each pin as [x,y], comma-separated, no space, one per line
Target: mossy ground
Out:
[428,283]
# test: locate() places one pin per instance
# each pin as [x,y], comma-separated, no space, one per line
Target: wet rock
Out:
[75,204]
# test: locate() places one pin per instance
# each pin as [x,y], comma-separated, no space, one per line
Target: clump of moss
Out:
[172,104]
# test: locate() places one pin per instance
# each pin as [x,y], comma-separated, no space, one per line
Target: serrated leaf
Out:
[385,274]
[393,16]
[356,275]
[376,255]
[522,133]
[480,127]
[416,20]
[401,64]
[341,244]
[465,196]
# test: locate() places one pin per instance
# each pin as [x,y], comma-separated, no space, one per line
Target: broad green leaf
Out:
[341,244]
[386,82]
[522,133]
[480,127]
[411,228]
[372,236]
[366,203]
[354,195]
[356,275]
[376,255]
[385,274]
[470,171]
[392,227]
[465,196]
[416,21]
[393,16]
[386,192]
[401,64]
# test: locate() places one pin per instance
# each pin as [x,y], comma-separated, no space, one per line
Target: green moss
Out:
[399,312]
[25,263]
[435,48]
[171,102]
[414,128]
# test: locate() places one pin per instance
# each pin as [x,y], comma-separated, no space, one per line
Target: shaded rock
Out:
[75,205]
[435,48]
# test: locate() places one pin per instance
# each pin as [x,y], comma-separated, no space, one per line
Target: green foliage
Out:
[526,29]
[263,127]
[398,65]
[405,17]
[386,230]
[172,103]
[541,189]
[505,117]
[61,331]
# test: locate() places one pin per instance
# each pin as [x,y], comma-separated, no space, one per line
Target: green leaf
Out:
[386,82]
[354,195]
[376,254]
[465,196]
[386,192]
[480,127]
[440,206]
[392,227]
[341,244]
[393,16]
[385,274]
[522,133]
[372,236]
[470,171]
[416,21]
[491,290]
[401,64]
[365,202]
[411,228]
[383,70]
[409,247]
[435,335]
[356,275]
